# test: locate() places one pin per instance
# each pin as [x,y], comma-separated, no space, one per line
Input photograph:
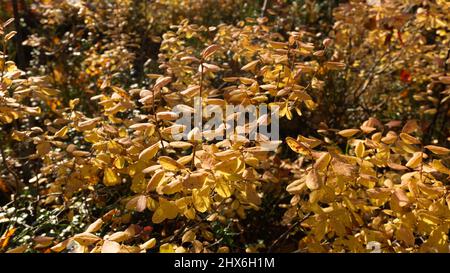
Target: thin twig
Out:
[282,236]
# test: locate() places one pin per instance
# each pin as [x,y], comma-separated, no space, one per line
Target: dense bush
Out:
[88,106]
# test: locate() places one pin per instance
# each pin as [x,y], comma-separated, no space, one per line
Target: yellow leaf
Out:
[360,149]
[403,199]
[119,162]
[222,188]
[18,136]
[188,236]
[190,213]
[410,126]
[149,244]
[4,240]
[10,35]
[228,167]
[347,133]
[169,164]
[415,160]
[166,248]
[201,199]
[191,91]
[62,132]
[195,180]
[298,147]
[155,180]
[408,139]
[166,210]
[161,82]
[148,153]
[174,186]
[322,162]
[439,166]
[110,177]
[390,137]
[223,249]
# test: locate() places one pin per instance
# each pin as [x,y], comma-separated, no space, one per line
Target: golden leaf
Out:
[169,164]
[390,137]
[119,162]
[415,160]
[408,139]
[298,147]
[201,199]
[166,248]
[222,188]
[188,236]
[195,180]
[403,199]
[229,166]
[250,66]
[148,245]
[96,226]
[155,180]
[360,149]
[62,133]
[167,115]
[148,153]
[110,177]
[4,240]
[166,210]
[60,246]
[347,133]
[437,149]
[86,239]
[296,187]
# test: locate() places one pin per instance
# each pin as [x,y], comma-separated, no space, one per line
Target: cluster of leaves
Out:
[403,43]
[386,188]
[88,132]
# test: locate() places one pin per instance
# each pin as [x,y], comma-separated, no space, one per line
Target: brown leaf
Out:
[209,51]
[86,239]
[437,149]
[313,180]
[137,203]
